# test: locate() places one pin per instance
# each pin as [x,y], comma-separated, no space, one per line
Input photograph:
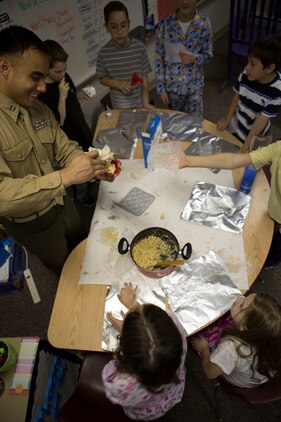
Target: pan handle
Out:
[186,251]
[123,246]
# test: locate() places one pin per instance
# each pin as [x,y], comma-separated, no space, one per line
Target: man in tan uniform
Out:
[34,206]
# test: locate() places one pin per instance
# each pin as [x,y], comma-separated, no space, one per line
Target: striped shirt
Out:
[120,63]
[255,99]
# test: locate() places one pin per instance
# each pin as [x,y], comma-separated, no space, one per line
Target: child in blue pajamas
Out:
[183,45]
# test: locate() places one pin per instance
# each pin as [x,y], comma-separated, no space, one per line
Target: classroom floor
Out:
[20,317]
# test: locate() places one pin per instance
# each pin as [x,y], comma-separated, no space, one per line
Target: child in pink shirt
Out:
[147,376]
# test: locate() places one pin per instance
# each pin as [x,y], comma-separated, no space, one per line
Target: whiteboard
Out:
[78,25]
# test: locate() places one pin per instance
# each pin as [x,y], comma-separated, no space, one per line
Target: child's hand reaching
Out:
[199,343]
[116,323]
[127,295]
[222,124]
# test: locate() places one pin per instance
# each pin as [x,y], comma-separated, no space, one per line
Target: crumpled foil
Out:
[200,291]
[207,144]
[217,206]
[136,119]
[122,142]
[123,139]
[181,127]
[175,126]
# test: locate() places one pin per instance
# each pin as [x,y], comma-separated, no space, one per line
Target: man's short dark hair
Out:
[114,6]
[267,50]
[56,52]
[15,40]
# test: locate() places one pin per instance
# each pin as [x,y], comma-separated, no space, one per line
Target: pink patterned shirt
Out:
[138,403]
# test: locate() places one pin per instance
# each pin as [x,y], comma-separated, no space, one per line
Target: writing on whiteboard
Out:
[30,3]
[62,20]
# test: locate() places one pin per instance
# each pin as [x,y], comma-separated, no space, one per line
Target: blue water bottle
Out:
[248,179]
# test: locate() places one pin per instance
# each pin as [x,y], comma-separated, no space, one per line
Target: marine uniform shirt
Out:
[31,144]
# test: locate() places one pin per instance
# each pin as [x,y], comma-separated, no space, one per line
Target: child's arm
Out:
[225,160]
[145,94]
[200,344]
[160,65]
[63,90]
[257,128]
[224,122]
[127,295]
[206,52]
[123,86]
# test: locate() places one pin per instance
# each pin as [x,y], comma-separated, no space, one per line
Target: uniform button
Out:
[43,162]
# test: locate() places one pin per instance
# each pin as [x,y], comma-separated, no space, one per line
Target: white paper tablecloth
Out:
[172,188]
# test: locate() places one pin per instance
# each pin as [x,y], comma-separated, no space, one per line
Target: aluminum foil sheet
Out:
[175,126]
[217,206]
[207,144]
[136,119]
[121,141]
[149,291]
[181,127]
[200,291]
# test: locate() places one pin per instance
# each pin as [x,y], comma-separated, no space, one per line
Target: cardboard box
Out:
[153,135]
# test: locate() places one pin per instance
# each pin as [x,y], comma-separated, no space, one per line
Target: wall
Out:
[216,10]
[77,25]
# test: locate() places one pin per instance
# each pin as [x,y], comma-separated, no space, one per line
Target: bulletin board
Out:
[78,25]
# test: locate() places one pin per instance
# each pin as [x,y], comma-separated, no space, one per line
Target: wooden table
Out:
[78,312]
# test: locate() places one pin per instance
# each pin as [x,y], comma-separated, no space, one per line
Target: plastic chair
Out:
[89,401]
[264,393]
[250,20]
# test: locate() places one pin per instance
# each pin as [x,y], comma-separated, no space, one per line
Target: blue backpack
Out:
[12,265]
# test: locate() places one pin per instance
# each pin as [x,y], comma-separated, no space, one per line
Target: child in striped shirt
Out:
[122,63]
[257,96]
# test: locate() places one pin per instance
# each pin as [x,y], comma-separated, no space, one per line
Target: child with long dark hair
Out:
[147,376]
[249,353]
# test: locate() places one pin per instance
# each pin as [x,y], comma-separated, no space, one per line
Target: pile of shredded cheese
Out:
[105,154]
